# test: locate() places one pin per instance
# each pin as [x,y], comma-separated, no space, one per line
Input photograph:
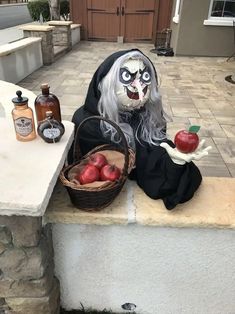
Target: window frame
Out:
[218,20]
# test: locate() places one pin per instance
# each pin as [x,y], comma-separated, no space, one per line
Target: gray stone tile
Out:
[229,130]
[209,127]
[226,147]
[210,171]
[231,168]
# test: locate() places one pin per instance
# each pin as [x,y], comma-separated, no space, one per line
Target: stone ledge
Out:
[30,197]
[59,23]
[73,26]
[37,28]
[61,210]
[7,49]
[213,206]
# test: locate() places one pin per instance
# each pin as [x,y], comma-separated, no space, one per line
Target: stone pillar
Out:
[62,35]
[46,33]
[27,282]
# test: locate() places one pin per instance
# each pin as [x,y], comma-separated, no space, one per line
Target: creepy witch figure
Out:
[124,89]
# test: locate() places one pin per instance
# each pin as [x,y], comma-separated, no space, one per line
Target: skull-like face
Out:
[133,87]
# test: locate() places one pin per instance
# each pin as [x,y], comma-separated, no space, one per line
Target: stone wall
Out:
[62,36]
[46,43]
[27,282]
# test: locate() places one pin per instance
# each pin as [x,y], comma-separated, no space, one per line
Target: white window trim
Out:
[177,11]
[218,21]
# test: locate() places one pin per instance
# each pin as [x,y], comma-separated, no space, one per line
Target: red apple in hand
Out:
[187,141]
[110,173]
[98,160]
[88,174]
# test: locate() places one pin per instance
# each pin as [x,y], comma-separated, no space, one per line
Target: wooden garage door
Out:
[137,20]
[131,19]
[103,19]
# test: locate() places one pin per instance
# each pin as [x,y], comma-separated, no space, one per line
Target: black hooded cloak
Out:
[155,172]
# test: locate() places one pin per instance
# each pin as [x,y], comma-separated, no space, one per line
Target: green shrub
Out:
[42,7]
[64,9]
[39,7]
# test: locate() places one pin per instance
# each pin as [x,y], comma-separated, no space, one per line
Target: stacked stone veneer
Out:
[27,282]
[54,34]
[46,34]
[62,35]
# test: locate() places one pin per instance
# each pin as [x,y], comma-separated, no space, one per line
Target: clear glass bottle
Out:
[47,101]
[23,119]
[50,130]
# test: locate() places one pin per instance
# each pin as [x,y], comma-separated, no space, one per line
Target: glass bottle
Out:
[23,119]
[47,101]
[50,130]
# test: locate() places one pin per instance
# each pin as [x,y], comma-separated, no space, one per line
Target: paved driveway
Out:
[193,89]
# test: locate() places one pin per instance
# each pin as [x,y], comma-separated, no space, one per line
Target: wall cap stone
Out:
[213,206]
[25,194]
[31,199]
[73,26]
[17,45]
[59,23]
[61,210]
[37,28]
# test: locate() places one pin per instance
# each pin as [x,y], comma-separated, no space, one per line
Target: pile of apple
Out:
[97,168]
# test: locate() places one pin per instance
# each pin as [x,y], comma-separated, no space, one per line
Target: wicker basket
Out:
[93,198]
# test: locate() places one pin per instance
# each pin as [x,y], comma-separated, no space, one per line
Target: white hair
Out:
[152,120]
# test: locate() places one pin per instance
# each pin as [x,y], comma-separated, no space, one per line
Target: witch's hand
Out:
[181,158]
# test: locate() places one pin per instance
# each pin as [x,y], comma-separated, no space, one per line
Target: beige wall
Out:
[25,53]
[191,37]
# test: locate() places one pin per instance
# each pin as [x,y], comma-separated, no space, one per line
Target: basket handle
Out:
[77,151]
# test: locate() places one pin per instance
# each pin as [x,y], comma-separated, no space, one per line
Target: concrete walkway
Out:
[194,91]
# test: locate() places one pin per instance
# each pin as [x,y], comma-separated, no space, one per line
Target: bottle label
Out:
[23,126]
[51,133]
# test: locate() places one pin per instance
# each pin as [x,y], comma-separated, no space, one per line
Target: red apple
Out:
[110,173]
[187,141]
[98,160]
[88,174]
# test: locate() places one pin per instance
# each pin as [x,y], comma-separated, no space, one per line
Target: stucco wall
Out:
[161,270]
[194,38]
[19,59]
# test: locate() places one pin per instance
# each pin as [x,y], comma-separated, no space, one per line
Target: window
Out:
[177,11]
[223,8]
[221,12]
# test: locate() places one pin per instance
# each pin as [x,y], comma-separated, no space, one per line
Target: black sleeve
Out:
[161,178]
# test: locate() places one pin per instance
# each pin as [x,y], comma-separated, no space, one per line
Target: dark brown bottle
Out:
[50,130]
[47,101]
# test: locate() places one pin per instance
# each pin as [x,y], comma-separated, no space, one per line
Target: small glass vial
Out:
[50,130]
[23,119]
[47,101]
